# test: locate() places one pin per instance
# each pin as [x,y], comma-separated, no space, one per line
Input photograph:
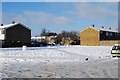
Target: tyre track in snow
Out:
[72,54]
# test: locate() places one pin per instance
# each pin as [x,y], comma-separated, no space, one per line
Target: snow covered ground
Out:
[58,62]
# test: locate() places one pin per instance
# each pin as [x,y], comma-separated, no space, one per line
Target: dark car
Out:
[35,44]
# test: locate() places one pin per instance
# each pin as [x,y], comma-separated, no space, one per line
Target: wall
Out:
[2,43]
[90,37]
[2,36]
[51,40]
[18,33]
[109,42]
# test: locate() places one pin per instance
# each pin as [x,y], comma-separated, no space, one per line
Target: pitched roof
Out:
[11,25]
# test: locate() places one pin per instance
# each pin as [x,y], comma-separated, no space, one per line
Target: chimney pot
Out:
[110,28]
[102,26]
[1,24]
[93,25]
[13,22]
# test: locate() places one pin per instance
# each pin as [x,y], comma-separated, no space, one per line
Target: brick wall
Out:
[90,37]
[109,42]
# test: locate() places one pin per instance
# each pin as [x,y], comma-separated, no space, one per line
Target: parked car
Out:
[35,44]
[115,50]
[51,44]
[39,44]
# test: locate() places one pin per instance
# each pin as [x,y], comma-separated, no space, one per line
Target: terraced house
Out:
[14,35]
[92,36]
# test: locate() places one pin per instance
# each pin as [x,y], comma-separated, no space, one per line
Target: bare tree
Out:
[44,32]
[72,35]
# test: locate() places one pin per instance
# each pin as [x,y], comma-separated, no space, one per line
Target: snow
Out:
[58,61]
[7,25]
[11,25]
[101,29]
[104,29]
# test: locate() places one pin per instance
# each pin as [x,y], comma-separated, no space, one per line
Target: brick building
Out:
[92,36]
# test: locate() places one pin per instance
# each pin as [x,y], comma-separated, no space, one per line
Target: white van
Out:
[115,50]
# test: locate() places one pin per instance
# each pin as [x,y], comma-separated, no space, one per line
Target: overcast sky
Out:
[58,16]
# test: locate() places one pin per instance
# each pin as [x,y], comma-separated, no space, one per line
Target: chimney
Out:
[102,26]
[1,24]
[13,22]
[110,28]
[93,25]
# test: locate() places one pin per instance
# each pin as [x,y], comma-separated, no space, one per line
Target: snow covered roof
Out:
[101,29]
[104,29]
[7,25]
[11,25]
[43,37]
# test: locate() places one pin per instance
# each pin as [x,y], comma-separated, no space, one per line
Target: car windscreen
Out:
[116,48]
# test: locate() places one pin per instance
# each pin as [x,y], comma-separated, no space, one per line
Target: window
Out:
[111,34]
[107,34]
[101,32]
[2,31]
[116,48]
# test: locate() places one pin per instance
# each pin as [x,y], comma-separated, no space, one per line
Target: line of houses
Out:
[18,34]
